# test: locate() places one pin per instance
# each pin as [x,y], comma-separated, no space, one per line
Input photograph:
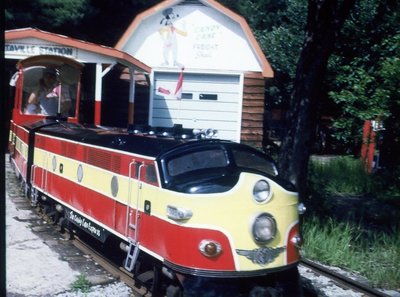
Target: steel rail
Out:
[342,280]
[112,268]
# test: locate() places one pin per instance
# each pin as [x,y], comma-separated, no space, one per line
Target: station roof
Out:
[111,52]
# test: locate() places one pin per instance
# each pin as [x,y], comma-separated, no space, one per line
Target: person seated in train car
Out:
[32,108]
[45,99]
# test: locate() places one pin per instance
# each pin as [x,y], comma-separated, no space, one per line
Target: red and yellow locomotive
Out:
[203,211]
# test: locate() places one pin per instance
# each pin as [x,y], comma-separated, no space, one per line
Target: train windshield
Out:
[254,161]
[213,169]
[198,160]
[211,159]
[50,90]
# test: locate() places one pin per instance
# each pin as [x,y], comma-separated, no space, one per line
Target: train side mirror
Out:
[14,78]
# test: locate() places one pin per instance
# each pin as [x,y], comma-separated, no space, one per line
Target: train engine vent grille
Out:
[103,159]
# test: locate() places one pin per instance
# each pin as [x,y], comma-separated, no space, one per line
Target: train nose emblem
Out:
[261,256]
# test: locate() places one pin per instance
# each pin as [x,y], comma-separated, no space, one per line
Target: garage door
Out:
[208,101]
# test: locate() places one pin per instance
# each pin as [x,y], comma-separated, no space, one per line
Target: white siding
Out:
[222,113]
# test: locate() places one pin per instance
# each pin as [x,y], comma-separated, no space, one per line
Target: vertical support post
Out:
[131,107]
[98,94]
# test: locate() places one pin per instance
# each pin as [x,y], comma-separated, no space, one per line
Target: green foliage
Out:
[260,14]
[48,14]
[363,74]
[359,100]
[328,242]
[363,237]
[60,12]
[387,184]
[282,44]
[339,176]
[279,28]
[81,284]
[375,256]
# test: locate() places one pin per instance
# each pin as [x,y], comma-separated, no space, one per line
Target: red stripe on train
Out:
[175,243]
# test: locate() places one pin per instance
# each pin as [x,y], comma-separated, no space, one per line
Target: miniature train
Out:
[191,212]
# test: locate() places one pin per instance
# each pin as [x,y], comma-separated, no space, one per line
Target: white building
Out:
[224,68]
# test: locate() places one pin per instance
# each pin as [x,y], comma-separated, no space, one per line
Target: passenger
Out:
[32,108]
[47,95]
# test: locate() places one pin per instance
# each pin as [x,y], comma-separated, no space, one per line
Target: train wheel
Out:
[174,291]
[34,196]
[194,286]
[291,285]
[265,292]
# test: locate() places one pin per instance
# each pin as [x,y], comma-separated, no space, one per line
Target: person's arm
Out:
[33,98]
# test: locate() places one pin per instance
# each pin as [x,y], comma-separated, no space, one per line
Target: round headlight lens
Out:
[264,228]
[210,248]
[262,191]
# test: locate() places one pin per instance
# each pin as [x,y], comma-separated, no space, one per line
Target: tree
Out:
[278,26]
[324,21]
[363,74]
[101,22]
[348,83]
[389,88]
[46,13]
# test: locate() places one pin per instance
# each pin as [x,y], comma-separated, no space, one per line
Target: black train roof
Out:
[150,143]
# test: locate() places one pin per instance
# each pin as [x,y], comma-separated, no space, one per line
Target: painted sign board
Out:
[192,36]
[18,50]
[26,47]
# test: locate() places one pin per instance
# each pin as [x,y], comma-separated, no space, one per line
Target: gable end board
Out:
[147,17]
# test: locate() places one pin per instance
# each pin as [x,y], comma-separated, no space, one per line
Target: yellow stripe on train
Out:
[89,176]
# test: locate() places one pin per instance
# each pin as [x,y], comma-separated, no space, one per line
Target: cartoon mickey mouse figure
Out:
[168,34]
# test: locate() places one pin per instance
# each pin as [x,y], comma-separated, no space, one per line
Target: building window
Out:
[208,97]
[187,96]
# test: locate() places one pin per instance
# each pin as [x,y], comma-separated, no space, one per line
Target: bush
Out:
[387,184]
[342,175]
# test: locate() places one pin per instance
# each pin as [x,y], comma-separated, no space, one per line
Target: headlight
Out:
[210,248]
[264,228]
[262,191]
[301,208]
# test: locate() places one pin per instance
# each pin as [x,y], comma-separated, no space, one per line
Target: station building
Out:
[103,89]
[188,62]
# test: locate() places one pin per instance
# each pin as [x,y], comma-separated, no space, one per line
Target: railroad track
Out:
[118,272]
[115,270]
[108,265]
[342,280]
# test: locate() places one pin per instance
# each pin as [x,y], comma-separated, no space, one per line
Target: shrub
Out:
[81,284]
[342,175]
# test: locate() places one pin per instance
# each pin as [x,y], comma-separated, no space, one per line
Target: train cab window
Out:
[253,161]
[197,160]
[151,175]
[49,90]
[136,170]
